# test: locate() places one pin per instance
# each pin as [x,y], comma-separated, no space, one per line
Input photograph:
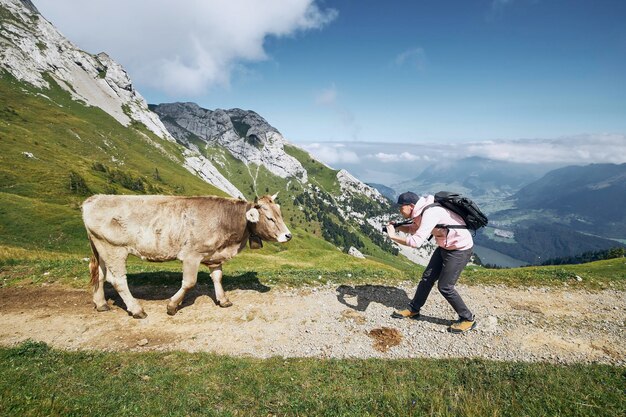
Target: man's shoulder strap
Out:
[429,206]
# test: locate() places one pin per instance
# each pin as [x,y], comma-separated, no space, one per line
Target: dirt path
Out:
[536,324]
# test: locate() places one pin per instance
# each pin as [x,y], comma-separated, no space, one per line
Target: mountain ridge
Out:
[582,191]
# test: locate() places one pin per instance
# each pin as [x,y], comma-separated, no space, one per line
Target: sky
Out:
[413,80]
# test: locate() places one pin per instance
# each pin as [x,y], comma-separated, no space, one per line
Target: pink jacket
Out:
[424,226]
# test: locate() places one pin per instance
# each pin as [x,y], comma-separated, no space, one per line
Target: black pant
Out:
[446,267]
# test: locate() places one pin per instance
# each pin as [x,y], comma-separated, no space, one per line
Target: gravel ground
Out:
[533,324]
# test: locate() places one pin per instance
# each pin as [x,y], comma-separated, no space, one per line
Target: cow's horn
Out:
[274,196]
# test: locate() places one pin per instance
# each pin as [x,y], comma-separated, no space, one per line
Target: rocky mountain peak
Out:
[245,134]
[350,184]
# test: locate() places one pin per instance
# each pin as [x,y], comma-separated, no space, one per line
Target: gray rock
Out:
[355,252]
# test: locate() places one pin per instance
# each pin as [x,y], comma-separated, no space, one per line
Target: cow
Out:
[205,230]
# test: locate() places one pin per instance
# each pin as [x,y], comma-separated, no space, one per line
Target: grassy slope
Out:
[37,208]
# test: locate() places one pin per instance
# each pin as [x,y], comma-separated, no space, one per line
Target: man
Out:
[452,254]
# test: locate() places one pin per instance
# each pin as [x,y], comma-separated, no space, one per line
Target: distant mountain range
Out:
[489,181]
[590,198]
[535,212]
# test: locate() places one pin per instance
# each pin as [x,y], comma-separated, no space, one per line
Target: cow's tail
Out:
[94,266]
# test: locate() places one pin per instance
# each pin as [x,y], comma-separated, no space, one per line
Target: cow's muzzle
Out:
[285,237]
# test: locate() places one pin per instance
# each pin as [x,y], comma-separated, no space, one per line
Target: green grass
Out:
[38,208]
[320,174]
[202,384]
[606,274]
[31,224]
[311,264]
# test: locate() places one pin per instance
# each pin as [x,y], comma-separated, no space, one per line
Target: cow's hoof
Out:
[104,307]
[141,315]
[171,310]
[224,304]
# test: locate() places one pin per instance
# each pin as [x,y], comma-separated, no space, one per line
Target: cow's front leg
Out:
[216,276]
[190,276]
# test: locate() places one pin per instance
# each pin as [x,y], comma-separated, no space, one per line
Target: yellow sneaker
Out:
[405,314]
[462,326]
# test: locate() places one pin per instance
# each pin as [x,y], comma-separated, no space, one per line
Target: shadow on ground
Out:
[163,285]
[359,298]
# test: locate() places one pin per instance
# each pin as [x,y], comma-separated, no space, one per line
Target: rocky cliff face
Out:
[245,134]
[322,194]
[351,185]
[35,52]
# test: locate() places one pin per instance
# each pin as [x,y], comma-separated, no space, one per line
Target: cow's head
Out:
[266,221]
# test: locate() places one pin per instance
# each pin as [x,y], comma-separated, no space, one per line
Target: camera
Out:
[398,223]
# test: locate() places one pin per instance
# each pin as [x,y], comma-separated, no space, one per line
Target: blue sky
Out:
[346,71]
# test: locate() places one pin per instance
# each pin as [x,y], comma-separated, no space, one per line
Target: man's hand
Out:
[393,235]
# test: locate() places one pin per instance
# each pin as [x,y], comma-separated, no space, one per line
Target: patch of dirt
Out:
[385,338]
[533,324]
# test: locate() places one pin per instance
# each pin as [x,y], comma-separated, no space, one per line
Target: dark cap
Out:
[407,198]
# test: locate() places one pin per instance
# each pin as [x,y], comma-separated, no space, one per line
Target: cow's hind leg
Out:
[97,271]
[190,277]
[98,293]
[116,275]
[216,276]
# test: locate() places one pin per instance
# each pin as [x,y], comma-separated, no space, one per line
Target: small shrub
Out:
[78,184]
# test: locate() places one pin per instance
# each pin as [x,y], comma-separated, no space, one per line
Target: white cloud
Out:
[332,153]
[402,161]
[182,47]
[415,58]
[576,150]
[396,157]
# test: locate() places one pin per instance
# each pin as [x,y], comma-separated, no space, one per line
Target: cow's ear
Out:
[252,215]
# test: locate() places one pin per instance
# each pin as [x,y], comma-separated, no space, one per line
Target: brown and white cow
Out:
[196,230]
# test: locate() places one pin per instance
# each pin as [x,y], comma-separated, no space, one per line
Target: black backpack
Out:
[463,206]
